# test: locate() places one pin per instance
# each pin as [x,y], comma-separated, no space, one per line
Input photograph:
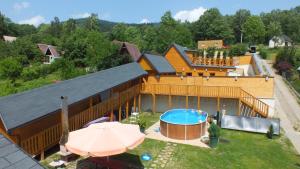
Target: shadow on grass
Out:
[121,161]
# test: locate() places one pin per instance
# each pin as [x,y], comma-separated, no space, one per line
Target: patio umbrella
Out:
[104,139]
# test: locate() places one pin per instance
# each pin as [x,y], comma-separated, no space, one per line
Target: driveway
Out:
[286,108]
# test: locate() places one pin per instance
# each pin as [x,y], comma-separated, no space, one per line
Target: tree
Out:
[239,19]
[75,47]
[212,25]
[70,26]
[10,68]
[25,47]
[98,48]
[3,25]
[274,30]
[170,31]
[55,28]
[93,23]
[118,32]
[254,30]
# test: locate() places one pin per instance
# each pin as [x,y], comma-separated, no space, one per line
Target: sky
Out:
[36,12]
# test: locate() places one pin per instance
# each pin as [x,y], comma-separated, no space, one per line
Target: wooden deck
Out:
[257,106]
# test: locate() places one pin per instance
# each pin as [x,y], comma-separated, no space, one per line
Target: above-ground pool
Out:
[183,124]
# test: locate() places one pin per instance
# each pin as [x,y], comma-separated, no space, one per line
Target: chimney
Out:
[64,121]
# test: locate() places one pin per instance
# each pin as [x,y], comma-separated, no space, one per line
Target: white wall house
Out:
[280,41]
[50,53]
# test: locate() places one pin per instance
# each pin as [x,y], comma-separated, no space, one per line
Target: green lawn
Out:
[235,150]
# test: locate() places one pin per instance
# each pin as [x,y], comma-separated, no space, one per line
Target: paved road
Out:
[288,110]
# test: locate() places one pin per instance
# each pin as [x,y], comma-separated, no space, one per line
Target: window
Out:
[212,74]
[188,74]
[200,74]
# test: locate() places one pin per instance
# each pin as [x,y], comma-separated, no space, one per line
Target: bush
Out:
[238,50]
[211,52]
[30,73]
[214,130]
[270,133]
[10,68]
[263,53]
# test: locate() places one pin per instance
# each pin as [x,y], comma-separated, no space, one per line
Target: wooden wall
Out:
[257,86]
[182,67]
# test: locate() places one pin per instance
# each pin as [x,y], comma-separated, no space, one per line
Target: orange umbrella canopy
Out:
[104,139]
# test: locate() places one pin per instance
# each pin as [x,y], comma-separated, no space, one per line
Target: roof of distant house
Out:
[159,63]
[22,108]
[283,38]
[132,49]
[44,48]
[182,51]
[9,38]
[12,156]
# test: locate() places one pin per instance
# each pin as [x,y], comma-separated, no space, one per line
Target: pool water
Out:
[183,116]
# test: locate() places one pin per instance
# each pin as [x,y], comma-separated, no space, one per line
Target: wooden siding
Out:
[208,91]
[257,86]
[145,64]
[176,60]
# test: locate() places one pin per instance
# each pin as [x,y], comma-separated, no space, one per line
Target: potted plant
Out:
[142,124]
[270,133]
[214,134]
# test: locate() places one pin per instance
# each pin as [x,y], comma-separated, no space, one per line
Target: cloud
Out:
[190,15]
[81,15]
[145,20]
[21,5]
[36,20]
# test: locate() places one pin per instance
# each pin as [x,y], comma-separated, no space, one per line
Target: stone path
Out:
[164,157]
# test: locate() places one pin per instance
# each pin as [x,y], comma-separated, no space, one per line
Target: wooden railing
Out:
[51,136]
[213,61]
[208,91]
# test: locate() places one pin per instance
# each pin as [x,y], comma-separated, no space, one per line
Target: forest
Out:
[86,44]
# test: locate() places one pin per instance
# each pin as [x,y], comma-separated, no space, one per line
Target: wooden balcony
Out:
[257,106]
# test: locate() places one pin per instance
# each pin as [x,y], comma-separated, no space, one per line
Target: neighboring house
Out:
[128,48]
[50,53]
[9,38]
[280,41]
[210,44]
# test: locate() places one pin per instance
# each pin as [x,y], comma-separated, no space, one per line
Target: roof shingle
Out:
[12,156]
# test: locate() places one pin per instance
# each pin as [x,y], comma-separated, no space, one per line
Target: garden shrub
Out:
[238,50]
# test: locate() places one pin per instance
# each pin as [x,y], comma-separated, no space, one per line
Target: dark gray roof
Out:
[182,52]
[283,38]
[21,108]
[12,156]
[159,63]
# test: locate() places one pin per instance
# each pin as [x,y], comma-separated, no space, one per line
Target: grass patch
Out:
[239,150]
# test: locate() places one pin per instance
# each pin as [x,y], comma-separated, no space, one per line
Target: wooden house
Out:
[32,118]
[182,59]
[50,53]
[129,49]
